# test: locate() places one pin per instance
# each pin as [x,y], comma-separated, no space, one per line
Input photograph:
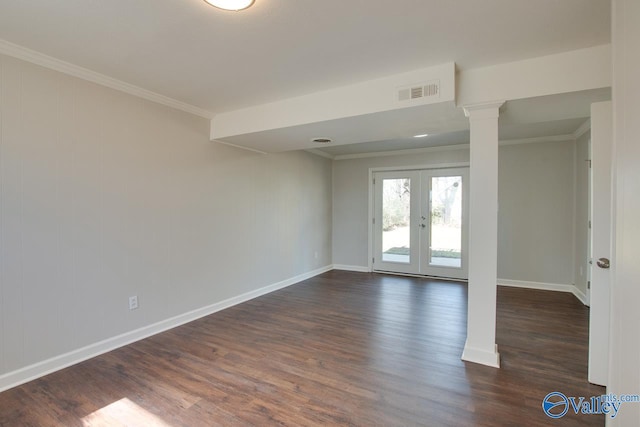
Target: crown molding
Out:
[28,55]
[555,138]
[320,153]
[402,152]
[440,148]
[584,128]
[240,147]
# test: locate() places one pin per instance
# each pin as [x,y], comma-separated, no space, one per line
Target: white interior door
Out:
[601,141]
[420,222]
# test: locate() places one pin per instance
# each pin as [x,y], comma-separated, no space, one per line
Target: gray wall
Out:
[105,195]
[351,198]
[536,196]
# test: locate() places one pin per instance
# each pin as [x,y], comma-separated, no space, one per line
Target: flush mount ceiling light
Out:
[230,4]
[422,135]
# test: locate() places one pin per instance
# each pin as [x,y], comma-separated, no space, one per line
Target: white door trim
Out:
[370,203]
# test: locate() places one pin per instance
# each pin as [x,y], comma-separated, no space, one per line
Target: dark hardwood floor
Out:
[342,348]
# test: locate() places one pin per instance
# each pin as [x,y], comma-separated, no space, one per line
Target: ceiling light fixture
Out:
[231,4]
[422,135]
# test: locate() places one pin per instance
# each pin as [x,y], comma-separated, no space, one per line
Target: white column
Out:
[483,235]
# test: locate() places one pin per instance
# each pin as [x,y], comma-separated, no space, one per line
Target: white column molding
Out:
[484,110]
[480,346]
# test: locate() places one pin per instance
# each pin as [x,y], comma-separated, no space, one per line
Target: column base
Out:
[481,356]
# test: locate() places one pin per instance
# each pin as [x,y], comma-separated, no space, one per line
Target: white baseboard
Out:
[580,295]
[344,267]
[37,370]
[483,357]
[557,287]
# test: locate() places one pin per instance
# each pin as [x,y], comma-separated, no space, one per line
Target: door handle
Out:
[603,263]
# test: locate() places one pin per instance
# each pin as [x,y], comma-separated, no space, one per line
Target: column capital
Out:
[483,110]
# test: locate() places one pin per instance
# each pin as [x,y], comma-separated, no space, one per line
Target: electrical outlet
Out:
[315,255]
[133,302]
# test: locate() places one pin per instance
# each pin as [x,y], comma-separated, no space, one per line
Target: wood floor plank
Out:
[343,348]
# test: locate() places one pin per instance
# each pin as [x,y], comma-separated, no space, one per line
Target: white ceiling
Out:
[531,118]
[221,61]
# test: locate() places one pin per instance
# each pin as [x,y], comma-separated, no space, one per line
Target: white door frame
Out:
[371,212]
[589,230]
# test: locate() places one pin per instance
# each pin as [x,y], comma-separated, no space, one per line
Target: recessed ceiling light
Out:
[422,135]
[321,140]
[230,4]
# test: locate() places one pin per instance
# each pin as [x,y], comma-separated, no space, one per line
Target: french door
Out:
[420,222]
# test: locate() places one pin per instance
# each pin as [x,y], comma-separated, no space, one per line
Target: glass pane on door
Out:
[396,220]
[446,221]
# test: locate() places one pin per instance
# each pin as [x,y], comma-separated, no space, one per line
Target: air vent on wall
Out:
[422,90]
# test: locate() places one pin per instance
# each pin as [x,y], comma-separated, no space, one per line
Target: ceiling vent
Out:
[422,90]
[321,140]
